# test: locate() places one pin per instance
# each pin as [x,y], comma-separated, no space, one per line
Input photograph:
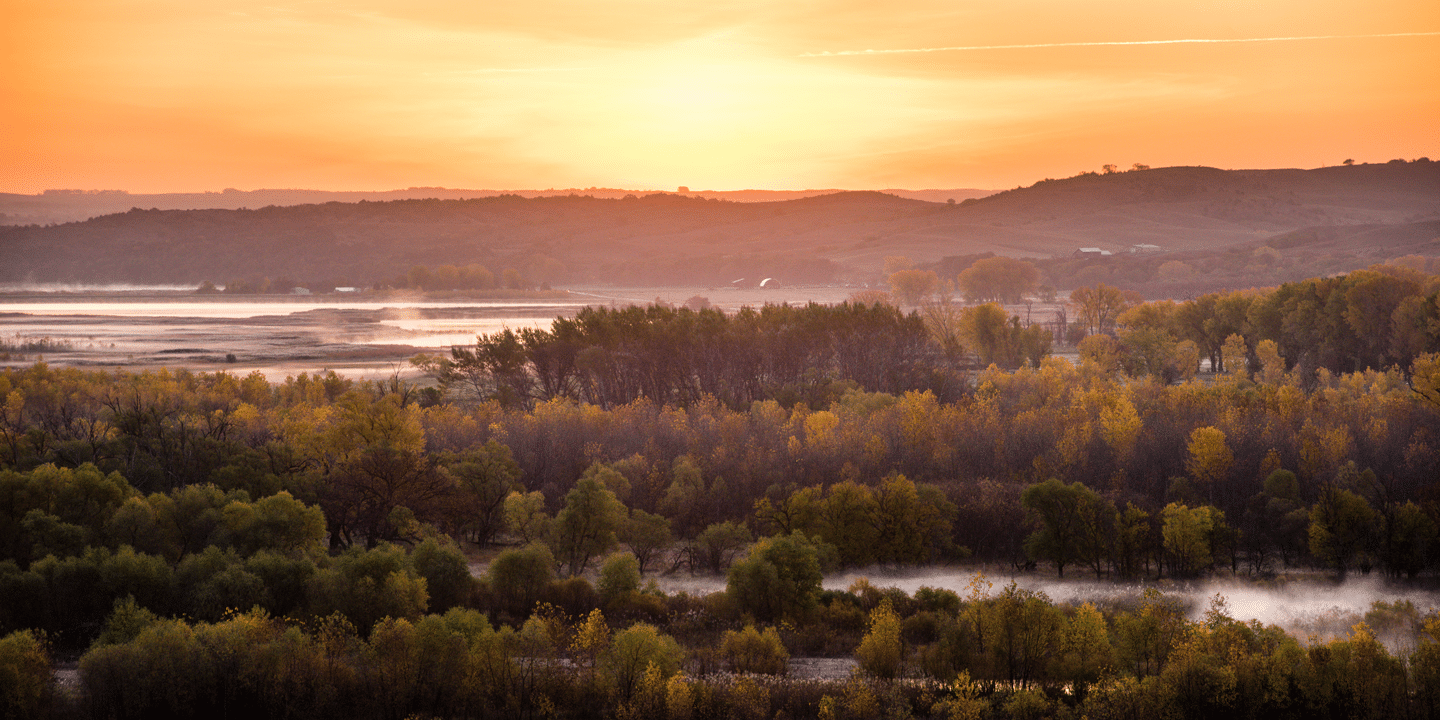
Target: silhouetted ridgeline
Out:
[1208,229]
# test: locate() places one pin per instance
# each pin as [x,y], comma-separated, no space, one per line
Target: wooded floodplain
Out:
[209,545]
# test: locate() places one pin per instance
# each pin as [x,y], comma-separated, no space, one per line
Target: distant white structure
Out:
[1092,252]
[1143,249]
[765,282]
[347,289]
[299,291]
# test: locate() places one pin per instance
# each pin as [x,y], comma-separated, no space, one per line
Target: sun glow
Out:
[161,95]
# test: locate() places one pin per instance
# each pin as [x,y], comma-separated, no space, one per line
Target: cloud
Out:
[1181,41]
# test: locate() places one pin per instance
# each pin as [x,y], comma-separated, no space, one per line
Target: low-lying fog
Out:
[1311,609]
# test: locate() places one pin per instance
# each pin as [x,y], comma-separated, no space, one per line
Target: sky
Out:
[201,95]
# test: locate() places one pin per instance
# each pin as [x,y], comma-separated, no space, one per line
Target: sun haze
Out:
[175,96]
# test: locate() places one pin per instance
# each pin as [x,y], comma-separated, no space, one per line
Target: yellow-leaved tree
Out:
[1210,458]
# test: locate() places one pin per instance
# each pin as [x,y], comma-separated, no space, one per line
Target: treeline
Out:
[1007,654]
[362,451]
[679,356]
[336,510]
[1382,317]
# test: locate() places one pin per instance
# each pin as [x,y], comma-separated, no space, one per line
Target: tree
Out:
[1064,514]
[718,544]
[1410,540]
[1024,632]
[752,651]
[375,451]
[637,648]
[912,287]
[484,478]
[619,576]
[279,523]
[26,675]
[525,515]
[586,526]
[1186,533]
[779,578]
[519,575]
[985,329]
[998,279]
[1425,378]
[1209,458]
[1342,525]
[1133,540]
[647,534]
[446,573]
[1099,307]
[881,651]
[911,529]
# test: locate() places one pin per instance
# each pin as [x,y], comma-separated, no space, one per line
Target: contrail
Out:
[1182,41]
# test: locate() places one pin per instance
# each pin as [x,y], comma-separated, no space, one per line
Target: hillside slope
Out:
[674,239]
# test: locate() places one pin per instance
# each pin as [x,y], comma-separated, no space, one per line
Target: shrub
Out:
[25,674]
[447,575]
[619,575]
[881,652]
[517,577]
[753,651]
[636,648]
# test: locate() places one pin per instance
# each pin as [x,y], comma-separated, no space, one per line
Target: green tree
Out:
[447,575]
[986,331]
[719,543]
[525,516]
[278,523]
[483,479]
[779,578]
[1064,515]
[1024,635]
[1411,540]
[1342,525]
[586,526]
[519,575]
[619,576]
[648,536]
[1187,536]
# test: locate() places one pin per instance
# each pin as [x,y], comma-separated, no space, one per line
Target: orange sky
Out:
[190,95]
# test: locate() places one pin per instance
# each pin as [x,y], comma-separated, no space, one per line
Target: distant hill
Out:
[1341,217]
[61,206]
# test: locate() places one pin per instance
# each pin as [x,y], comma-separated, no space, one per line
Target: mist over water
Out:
[59,287]
[1311,609]
[278,337]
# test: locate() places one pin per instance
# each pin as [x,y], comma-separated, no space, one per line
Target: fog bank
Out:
[1311,609]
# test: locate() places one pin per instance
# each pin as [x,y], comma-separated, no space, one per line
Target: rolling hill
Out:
[1339,216]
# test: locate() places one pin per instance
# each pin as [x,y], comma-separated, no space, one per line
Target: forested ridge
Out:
[1208,229]
[222,544]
